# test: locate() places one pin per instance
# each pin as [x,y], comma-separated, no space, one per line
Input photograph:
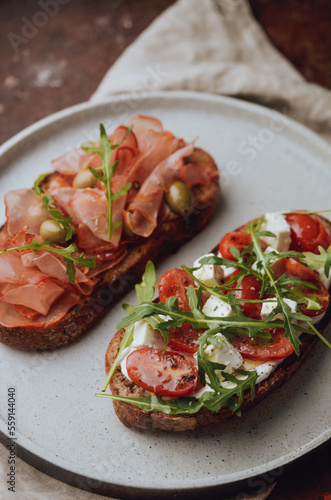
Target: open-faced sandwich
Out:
[227,332]
[82,236]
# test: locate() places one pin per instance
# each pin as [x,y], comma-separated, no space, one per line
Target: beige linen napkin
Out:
[204,45]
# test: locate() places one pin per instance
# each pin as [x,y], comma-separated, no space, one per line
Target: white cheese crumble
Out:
[263,370]
[208,273]
[216,307]
[226,355]
[277,224]
[227,271]
[270,304]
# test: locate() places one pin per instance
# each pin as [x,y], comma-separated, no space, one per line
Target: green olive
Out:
[84,179]
[51,230]
[179,198]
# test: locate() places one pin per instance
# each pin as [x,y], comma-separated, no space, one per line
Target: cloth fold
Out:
[217,46]
[212,46]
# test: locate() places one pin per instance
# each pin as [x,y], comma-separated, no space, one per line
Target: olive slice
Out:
[84,179]
[53,231]
[179,198]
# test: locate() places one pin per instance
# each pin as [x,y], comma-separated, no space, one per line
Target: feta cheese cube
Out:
[216,307]
[268,307]
[226,355]
[227,271]
[143,334]
[277,224]
[208,273]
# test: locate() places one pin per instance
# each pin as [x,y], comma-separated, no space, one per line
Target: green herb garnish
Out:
[67,254]
[50,205]
[231,397]
[105,174]
[145,293]
[315,261]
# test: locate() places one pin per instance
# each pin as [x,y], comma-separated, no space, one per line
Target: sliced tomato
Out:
[294,267]
[249,289]
[322,295]
[184,338]
[163,373]
[307,233]
[236,239]
[174,283]
[249,347]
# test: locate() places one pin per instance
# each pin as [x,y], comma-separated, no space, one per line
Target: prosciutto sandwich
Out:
[80,239]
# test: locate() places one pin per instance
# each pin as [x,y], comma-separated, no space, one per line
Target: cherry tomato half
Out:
[249,289]
[174,284]
[183,338]
[307,233]
[295,268]
[251,348]
[164,373]
[322,295]
[239,240]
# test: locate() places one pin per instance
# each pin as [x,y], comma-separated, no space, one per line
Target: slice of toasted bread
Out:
[170,234]
[132,416]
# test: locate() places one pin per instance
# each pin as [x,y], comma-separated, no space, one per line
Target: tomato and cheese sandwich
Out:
[226,332]
[80,239]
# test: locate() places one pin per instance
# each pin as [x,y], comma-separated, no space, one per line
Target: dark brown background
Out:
[62,62]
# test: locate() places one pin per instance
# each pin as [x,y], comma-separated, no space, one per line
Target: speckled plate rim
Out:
[31,453]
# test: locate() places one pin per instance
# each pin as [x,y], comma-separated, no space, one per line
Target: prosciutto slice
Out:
[72,162]
[143,127]
[10,317]
[141,215]
[24,212]
[162,145]
[13,271]
[90,207]
[38,297]
[53,266]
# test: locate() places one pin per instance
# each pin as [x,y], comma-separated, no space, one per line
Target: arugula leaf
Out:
[206,367]
[50,205]
[315,261]
[270,282]
[145,292]
[180,406]
[67,254]
[189,405]
[235,324]
[105,174]
[146,289]
[126,341]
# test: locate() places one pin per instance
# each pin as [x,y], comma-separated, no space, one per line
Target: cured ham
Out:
[35,287]
[12,317]
[141,215]
[24,212]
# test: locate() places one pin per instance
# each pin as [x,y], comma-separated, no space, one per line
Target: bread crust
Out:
[166,239]
[132,416]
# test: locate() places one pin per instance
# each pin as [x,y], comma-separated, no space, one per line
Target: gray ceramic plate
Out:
[269,163]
